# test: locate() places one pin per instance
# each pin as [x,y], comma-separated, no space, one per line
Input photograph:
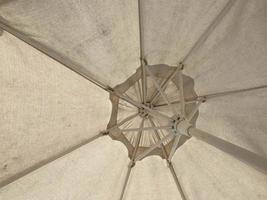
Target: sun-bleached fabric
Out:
[95,171]
[101,36]
[207,173]
[238,118]
[45,108]
[233,56]
[170,28]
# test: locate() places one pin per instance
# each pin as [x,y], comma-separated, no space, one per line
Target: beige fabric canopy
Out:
[126,100]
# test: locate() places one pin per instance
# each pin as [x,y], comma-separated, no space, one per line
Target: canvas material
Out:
[45,107]
[233,57]
[101,36]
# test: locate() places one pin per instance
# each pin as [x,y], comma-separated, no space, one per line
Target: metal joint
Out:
[131,164]
[183,127]
[181,65]
[168,163]
[143,60]
[110,89]
[104,133]
[203,99]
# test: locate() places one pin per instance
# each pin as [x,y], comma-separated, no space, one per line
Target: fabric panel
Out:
[45,107]
[233,56]
[95,171]
[102,36]
[207,173]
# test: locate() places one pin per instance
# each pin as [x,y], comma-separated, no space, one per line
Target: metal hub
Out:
[143,113]
[174,125]
[155,119]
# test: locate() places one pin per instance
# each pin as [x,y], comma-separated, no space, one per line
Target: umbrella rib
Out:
[176,180]
[220,94]
[70,64]
[49,160]
[144,82]
[151,148]
[141,43]
[163,85]
[209,29]
[140,91]
[132,162]
[158,138]
[123,121]
[187,101]
[126,181]
[250,158]
[138,138]
[181,91]
[139,105]
[193,111]
[146,128]
[174,146]
[203,98]
[163,94]
[169,162]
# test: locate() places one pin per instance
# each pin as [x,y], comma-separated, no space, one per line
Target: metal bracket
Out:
[183,127]
[181,65]
[106,132]
[131,164]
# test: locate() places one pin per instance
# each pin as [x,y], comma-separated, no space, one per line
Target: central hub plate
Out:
[126,119]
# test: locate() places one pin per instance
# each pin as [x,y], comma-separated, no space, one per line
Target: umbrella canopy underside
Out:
[175,106]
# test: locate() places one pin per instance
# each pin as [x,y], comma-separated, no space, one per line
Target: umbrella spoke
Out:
[138,138]
[141,46]
[169,162]
[174,146]
[176,180]
[176,102]
[181,91]
[221,94]
[132,163]
[146,128]
[123,121]
[139,105]
[144,82]
[163,94]
[139,89]
[150,149]
[126,180]
[203,98]
[164,85]
[193,111]
[158,137]
[244,155]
